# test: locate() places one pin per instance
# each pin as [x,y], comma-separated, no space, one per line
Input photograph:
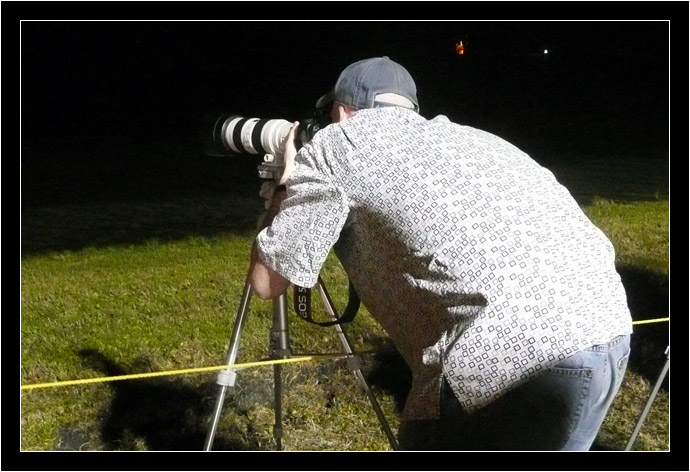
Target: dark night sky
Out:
[115,108]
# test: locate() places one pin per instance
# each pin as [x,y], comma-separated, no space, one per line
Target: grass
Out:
[156,305]
[109,289]
[640,234]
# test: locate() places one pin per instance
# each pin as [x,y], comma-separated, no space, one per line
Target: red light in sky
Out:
[459,48]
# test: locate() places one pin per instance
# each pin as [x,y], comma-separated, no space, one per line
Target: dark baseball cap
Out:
[373,82]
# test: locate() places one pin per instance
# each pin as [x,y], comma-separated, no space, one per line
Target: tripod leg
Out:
[355,365]
[226,378]
[280,349]
[278,408]
[650,401]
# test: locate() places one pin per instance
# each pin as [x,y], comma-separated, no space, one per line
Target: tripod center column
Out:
[280,338]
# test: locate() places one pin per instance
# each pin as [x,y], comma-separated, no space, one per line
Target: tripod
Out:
[279,348]
[650,400]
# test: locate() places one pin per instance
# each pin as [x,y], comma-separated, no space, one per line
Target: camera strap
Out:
[302,302]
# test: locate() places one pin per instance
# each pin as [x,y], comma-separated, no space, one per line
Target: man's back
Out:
[456,230]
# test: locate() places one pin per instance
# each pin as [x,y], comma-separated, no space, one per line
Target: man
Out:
[497,290]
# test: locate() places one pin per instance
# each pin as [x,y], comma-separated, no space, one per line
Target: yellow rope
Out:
[183,371]
[220,367]
[658,320]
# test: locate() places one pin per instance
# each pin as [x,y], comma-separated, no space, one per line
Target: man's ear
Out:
[344,112]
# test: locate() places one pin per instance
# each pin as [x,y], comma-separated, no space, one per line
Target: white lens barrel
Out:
[273,136]
[246,135]
[255,136]
[227,133]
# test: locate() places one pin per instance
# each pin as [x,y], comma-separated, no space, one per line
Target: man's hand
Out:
[290,153]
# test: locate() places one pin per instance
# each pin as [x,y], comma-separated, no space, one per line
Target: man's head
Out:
[370,83]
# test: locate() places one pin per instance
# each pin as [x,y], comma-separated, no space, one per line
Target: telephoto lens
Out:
[238,135]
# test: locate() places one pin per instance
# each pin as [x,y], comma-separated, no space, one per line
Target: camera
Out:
[237,135]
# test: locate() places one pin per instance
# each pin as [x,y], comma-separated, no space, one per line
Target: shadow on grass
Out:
[388,372]
[74,227]
[648,295]
[621,178]
[140,191]
[166,415]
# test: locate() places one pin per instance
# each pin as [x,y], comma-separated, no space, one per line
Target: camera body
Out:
[237,135]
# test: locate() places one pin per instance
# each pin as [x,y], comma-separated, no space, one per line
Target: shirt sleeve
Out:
[308,224]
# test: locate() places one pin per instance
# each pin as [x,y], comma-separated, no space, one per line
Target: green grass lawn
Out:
[640,234]
[113,289]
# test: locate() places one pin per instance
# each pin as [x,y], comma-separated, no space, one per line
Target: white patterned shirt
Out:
[478,264]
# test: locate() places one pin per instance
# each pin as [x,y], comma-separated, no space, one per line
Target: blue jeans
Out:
[561,409]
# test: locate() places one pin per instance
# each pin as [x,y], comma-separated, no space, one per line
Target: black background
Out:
[116,110]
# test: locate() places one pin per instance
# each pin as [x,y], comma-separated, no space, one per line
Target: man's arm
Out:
[266,282]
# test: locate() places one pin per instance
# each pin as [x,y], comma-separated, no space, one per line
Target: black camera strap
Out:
[302,302]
